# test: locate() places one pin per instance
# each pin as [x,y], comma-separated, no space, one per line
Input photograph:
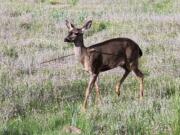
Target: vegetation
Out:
[45,99]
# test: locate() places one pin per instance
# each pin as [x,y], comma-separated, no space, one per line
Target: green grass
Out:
[45,99]
[160,6]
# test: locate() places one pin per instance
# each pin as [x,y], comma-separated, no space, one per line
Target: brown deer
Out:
[104,56]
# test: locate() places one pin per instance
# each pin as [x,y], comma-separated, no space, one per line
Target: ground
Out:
[45,99]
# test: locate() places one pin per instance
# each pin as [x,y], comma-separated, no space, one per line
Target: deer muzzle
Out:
[66,39]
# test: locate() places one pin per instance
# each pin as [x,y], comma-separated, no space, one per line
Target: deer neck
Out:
[80,50]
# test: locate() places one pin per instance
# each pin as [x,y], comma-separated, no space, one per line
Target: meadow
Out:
[45,99]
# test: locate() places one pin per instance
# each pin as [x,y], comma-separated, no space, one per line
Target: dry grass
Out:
[42,99]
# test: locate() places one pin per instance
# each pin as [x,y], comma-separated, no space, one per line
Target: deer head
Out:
[76,34]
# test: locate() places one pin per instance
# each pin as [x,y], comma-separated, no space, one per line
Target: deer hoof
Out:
[118,93]
[140,98]
[83,109]
[98,102]
[117,90]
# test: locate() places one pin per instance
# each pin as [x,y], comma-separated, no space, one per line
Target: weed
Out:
[73,2]
[46,98]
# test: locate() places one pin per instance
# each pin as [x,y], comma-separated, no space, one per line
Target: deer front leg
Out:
[92,80]
[118,86]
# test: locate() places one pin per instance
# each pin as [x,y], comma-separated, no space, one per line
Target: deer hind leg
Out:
[98,98]
[118,86]
[92,80]
[140,77]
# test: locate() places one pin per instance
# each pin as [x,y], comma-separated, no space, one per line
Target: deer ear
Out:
[69,25]
[87,25]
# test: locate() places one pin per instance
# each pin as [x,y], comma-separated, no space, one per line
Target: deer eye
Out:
[76,33]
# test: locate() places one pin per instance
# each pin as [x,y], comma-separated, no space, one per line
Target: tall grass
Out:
[46,98]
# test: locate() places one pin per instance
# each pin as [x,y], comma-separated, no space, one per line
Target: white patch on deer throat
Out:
[78,52]
[83,59]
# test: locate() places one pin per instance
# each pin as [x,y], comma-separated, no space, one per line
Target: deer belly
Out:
[105,68]
[112,64]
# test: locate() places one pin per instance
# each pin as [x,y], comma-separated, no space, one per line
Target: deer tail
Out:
[140,52]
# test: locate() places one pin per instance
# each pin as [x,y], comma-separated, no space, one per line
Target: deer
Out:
[104,56]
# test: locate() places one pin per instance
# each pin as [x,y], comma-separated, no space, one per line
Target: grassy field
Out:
[45,99]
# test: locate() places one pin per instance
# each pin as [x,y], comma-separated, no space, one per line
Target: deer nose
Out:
[66,39]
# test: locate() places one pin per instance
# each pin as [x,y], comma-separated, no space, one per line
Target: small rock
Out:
[72,129]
